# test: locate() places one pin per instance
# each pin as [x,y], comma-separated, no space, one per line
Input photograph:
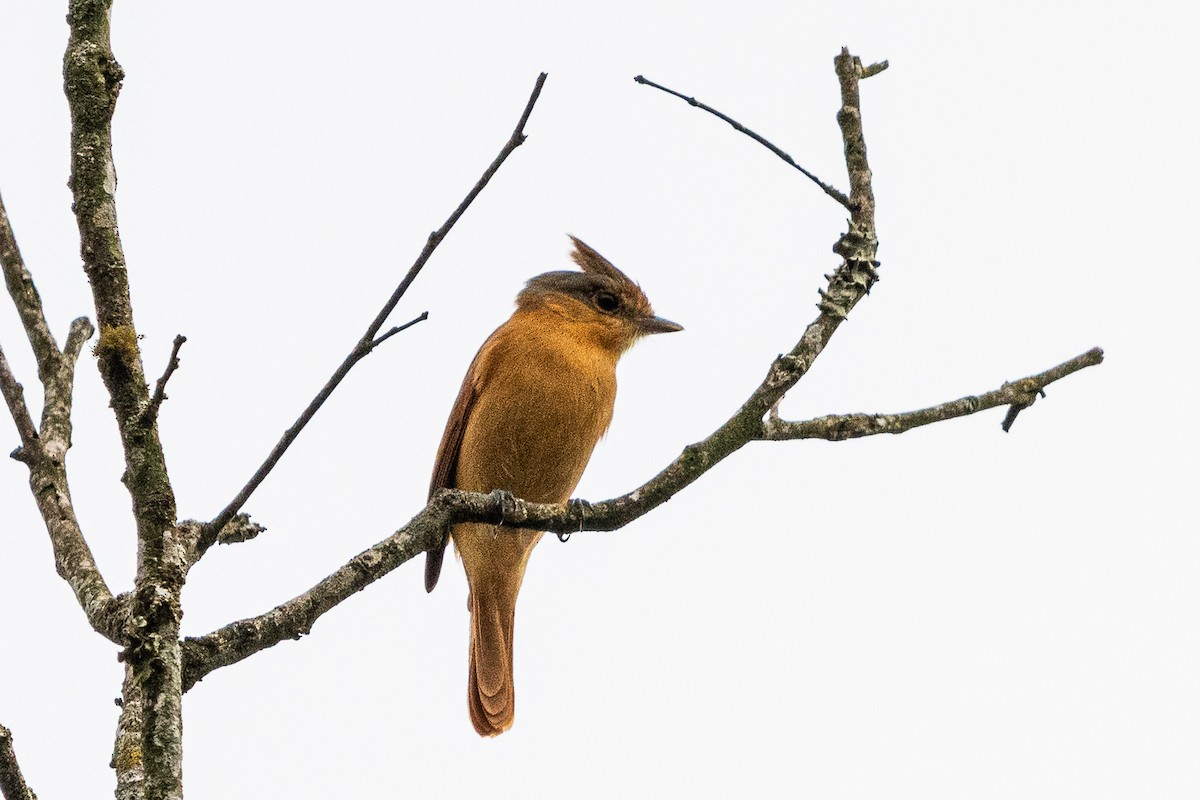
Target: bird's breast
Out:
[543,402]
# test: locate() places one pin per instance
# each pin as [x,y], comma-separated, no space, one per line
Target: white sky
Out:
[950,613]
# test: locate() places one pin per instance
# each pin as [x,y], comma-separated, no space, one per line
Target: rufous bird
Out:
[534,402]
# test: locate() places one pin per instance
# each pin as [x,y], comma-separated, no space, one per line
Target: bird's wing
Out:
[446,464]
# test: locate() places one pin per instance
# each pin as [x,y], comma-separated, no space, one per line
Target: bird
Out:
[535,401]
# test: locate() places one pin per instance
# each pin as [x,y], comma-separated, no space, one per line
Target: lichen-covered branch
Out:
[295,618]
[239,529]
[12,782]
[25,297]
[45,454]
[44,450]
[92,81]
[368,341]
[837,427]
[14,398]
[128,761]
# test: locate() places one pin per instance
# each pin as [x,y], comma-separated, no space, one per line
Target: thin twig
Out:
[389,334]
[12,782]
[825,187]
[368,342]
[160,387]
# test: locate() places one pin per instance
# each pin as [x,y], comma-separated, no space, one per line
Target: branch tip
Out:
[160,387]
[873,69]
[389,334]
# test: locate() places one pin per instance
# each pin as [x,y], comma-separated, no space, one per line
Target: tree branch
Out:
[128,761]
[825,187]
[25,297]
[45,455]
[45,451]
[368,341]
[92,81]
[58,394]
[837,427]
[14,398]
[239,529]
[160,387]
[295,618]
[12,782]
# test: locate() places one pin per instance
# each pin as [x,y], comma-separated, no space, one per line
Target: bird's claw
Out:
[506,504]
[583,507]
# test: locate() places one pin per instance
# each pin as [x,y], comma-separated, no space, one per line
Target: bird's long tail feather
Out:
[490,696]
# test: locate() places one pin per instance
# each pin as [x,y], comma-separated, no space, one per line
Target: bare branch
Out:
[161,386]
[25,296]
[92,81]
[295,618]
[368,341]
[872,70]
[849,70]
[399,328]
[45,452]
[825,187]
[239,529]
[14,398]
[59,388]
[1017,394]
[12,782]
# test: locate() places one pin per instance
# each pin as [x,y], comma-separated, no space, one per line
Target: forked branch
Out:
[44,448]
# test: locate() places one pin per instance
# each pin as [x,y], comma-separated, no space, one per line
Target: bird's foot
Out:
[582,507]
[506,504]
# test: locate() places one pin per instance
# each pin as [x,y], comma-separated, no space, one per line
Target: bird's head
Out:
[605,304]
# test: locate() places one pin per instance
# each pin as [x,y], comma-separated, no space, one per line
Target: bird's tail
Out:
[490,697]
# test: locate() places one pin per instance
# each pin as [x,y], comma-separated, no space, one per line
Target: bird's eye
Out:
[607,302]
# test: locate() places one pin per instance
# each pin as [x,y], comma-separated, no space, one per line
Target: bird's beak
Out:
[648,325]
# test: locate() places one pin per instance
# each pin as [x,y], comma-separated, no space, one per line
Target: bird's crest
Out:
[593,263]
